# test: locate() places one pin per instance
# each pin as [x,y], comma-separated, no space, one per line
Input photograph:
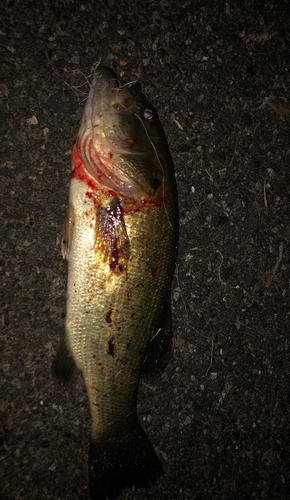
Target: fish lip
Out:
[104,78]
[107,86]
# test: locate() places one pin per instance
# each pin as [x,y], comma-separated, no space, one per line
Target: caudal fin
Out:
[123,460]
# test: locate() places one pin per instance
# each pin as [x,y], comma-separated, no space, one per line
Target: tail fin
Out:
[123,460]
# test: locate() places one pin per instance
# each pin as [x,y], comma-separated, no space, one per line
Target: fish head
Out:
[121,141]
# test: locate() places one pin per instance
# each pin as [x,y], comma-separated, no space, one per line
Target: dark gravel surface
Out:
[219,415]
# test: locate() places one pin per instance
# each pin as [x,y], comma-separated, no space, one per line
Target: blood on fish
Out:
[77,162]
[108,316]
[92,184]
[79,172]
[132,205]
[129,209]
[87,214]
[154,272]
[134,142]
[114,255]
[111,346]
[129,343]
[154,203]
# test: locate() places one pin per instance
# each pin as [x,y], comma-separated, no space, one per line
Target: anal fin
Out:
[64,370]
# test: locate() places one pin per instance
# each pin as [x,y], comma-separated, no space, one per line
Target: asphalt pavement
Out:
[218,74]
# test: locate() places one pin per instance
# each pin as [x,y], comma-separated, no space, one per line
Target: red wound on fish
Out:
[154,272]
[114,255]
[154,203]
[114,246]
[131,209]
[77,162]
[111,346]
[92,184]
[131,204]
[79,172]
[108,316]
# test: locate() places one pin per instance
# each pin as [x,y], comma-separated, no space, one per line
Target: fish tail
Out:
[125,460]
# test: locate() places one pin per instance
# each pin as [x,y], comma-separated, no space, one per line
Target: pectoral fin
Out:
[113,243]
[64,370]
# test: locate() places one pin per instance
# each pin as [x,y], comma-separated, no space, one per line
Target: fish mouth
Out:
[106,143]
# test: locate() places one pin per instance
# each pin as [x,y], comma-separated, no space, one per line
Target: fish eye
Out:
[148,114]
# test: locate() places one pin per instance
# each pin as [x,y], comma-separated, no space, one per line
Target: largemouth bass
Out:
[120,239]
